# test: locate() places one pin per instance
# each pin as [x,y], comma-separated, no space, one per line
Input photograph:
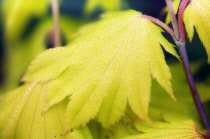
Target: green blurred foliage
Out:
[17,13]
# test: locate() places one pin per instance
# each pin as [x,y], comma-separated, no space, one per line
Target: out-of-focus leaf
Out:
[69,25]
[105,68]
[20,54]
[161,104]
[197,14]
[17,13]
[91,5]
[21,115]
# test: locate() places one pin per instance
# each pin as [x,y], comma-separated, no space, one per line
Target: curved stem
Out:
[180,20]
[160,23]
[173,18]
[191,83]
[56,32]
[179,28]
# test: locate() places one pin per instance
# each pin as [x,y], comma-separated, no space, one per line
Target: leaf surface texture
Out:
[22,116]
[108,66]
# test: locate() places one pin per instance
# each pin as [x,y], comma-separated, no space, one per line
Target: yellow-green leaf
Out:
[22,116]
[178,129]
[104,68]
[197,14]
[48,65]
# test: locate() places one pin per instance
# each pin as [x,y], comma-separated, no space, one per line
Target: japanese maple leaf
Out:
[109,65]
[197,14]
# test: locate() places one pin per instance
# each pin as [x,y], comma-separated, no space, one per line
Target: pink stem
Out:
[180,20]
[192,86]
[173,19]
[56,32]
[186,66]
[160,23]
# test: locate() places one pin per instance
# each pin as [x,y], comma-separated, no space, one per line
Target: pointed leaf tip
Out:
[197,14]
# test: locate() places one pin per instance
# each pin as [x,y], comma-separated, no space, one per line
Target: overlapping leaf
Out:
[177,129]
[173,117]
[125,127]
[181,119]
[104,68]
[197,14]
[21,116]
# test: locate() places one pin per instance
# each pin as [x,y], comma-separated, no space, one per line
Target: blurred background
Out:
[26,28]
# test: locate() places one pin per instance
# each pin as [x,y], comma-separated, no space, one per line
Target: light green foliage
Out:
[91,5]
[68,26]
[112,64]
[23,52]
[22,116]
[17,13]
[197,14]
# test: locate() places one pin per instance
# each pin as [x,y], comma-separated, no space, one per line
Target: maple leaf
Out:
[91,5]
[21,115]
[197,15]
[105,68]
[176,129]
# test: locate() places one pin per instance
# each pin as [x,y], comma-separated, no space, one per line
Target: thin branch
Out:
[56,32]
[179,31]
[160,23]
[180,20]
[192,86]
[173,18]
